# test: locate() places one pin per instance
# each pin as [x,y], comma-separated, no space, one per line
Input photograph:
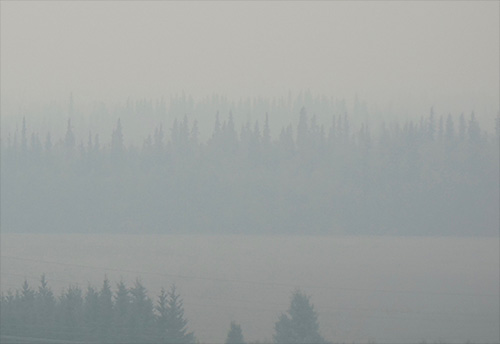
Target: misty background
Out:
[408,56]
[244,150]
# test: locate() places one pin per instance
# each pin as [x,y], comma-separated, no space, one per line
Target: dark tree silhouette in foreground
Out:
[235,335]
[300,323]
[175,330]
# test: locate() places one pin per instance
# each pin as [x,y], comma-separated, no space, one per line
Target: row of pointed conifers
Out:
[126,315]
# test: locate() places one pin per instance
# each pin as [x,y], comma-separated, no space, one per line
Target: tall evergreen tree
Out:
[431,125]
[235,335]
[193,137]
[91,313]
[266,134]
[71,305]
[176,331]
[441,129]
[158,139]
[302,130]
[117,139]
[105,311]
[27,304]
[121,311]
[141,319]
[24,139]
[300,324]
[461,127]
[45,304]
[69,138]
[450,129]
[473,129]
[162,315]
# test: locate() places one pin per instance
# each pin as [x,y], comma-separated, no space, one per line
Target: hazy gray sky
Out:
[384,51]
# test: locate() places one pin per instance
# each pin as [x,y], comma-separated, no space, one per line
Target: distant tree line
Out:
[127,315]
[437,176]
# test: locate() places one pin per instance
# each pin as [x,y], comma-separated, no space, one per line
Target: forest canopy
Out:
[435,176]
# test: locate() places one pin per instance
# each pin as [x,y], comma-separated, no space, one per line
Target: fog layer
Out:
[409,54]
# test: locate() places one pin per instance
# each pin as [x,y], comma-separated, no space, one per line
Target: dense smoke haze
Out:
[411,55]
[437,176]
[249,172]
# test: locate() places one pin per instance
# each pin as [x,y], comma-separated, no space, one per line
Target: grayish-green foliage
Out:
[342,176]
[235,334]
[174,328]
[124,316]
[299,325]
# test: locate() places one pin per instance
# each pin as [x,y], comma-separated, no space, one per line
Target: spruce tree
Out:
[176,331]
[71,313]
[117,139]
[235,335]
[45,304]
[69,139]
[105,311]
[162,315]
[91,313]
[141,314]
[26,317]
[121,311]
[300,324]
